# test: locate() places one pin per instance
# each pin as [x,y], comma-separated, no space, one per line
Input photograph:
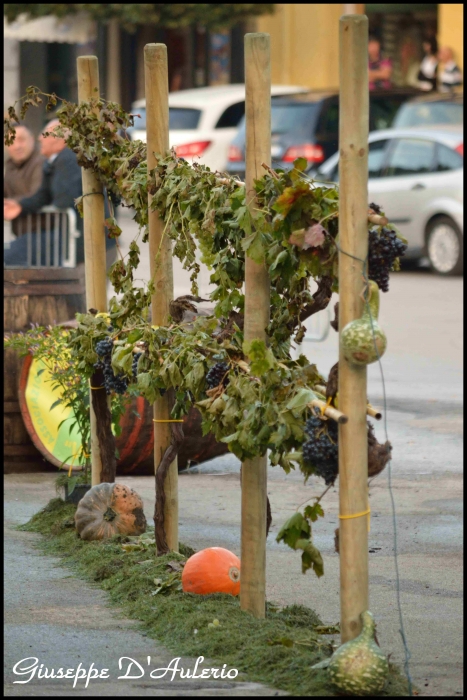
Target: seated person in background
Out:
[23,169]
[61,185]
[451,75]
[379,68]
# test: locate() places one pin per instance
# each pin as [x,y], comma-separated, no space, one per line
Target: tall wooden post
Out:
[254,471]
[94,237]
[160,252]
[353,239]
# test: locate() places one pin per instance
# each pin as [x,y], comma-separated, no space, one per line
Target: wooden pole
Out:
[94,237]
[254,471]
[160,253]
[113,61]
[353,239]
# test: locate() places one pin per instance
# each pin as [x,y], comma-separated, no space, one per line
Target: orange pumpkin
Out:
[109,509]
[213,570]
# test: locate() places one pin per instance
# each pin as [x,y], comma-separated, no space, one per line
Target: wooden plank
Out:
[160,251]
[20,450]
[45,289]
[94,239]
[254,471]
[353,239]
[11,407]
[26,275]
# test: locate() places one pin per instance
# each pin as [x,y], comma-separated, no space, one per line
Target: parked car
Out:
[203,121]
[430,109]
[416,176]
[308,125]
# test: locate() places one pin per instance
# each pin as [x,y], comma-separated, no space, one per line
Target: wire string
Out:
[393,505]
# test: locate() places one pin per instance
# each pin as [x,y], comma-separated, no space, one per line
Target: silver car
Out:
[416,176]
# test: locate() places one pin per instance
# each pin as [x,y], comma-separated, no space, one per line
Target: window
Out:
[329,122]
[448,159]
[231,116]
[376,152]
[183,118]
[429,114]
[410,157]
[179,118]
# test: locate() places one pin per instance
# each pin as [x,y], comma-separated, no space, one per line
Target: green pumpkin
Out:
[358,338]
[359,667]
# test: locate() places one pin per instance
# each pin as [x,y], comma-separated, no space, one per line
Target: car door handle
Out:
[419,186]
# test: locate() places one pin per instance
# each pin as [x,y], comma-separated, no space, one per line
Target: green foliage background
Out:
[170,15]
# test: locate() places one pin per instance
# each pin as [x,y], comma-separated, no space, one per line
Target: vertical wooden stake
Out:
[94,237]
[254,471]
[160,252]
[353,239]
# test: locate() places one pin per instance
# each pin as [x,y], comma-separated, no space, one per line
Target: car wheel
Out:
[444,246]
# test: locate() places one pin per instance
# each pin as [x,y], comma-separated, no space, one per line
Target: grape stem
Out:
[317,499]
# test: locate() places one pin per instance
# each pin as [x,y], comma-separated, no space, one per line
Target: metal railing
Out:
[49,225]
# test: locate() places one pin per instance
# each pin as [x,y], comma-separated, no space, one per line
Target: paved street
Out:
[422,317]
[423,373]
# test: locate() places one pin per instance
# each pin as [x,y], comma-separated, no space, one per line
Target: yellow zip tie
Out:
[358,515]
[174,420]
[97,387]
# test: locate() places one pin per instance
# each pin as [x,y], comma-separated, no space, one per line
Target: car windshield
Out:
[429,113]
[179,118]
[296,119]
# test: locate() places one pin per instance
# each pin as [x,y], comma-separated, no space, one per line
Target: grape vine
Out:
[253,396]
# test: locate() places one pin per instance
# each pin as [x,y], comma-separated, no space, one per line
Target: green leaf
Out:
[311,557]
[314,512]
[56,403]
[260,356]
[300,164]
[301,399]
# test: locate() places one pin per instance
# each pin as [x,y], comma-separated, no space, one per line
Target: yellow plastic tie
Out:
[358,515]
[97,387]
[170,420]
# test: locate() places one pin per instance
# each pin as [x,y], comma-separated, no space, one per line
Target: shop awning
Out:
[74,29]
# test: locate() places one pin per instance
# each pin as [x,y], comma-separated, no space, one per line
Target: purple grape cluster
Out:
[217,374]
[119,384]
[321,450]
[383,249]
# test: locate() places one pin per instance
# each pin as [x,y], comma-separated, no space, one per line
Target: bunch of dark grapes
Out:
[134,366]
[321,450]
[217,374]
[111,382]
[383,249]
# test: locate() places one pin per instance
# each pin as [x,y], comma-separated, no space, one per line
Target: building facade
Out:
[304,41]
[305,38]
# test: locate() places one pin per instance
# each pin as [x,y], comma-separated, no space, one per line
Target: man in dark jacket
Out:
[61,185]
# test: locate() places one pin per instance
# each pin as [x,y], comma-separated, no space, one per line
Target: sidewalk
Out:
[56,617]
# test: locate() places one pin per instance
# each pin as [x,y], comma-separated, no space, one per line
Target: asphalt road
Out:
[423,371]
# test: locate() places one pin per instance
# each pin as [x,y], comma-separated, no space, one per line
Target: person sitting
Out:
[23,170]
[61,185]
[451,75]
[379,68]
[426,77]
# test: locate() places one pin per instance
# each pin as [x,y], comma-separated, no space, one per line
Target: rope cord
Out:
[393,505]
[88,194]
[169,420]
[357,515]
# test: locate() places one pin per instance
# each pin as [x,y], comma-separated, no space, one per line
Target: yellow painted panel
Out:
[304,44]
[451,29]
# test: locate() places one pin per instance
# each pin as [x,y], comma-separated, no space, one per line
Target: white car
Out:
[203,121]
[416,176]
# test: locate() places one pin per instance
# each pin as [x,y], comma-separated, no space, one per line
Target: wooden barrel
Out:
[44,296]
[135,444]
